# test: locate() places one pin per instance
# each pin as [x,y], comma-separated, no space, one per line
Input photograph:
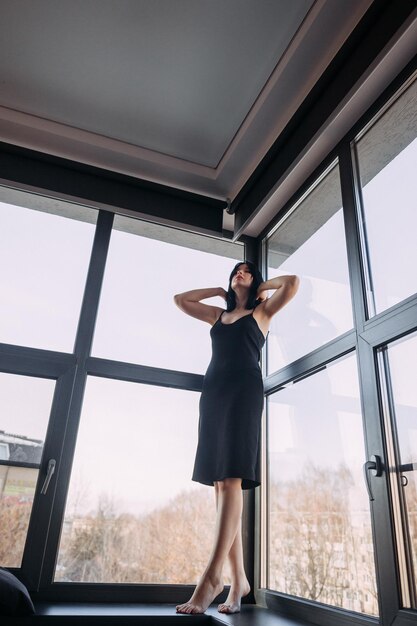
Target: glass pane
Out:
[25,404]
[387,156]
[402,357]
[43,267]
[311,244]
[138,321]
[320,540]
[133,514]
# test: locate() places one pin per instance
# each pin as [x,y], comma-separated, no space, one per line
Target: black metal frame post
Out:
[83,343]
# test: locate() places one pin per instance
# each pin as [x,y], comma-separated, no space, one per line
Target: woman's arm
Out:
[285,288]
[190,303]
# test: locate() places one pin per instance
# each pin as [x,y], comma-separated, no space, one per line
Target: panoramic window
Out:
[387,157]
[133,514]
[147,264]
[310,242]
[44,257]
[24,414]
[400,374]
[319,539]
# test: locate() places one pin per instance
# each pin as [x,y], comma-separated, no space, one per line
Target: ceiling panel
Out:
[176,77]
[187,93]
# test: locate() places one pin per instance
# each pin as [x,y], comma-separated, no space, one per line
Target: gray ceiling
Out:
[190,93]
[174,76]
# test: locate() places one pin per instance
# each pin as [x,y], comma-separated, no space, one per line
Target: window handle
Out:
[408,467]
[49,472]
[375,466]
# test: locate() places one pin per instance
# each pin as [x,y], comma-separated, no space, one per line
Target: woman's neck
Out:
[241,301]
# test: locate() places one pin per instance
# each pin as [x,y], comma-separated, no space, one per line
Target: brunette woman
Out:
[230,415]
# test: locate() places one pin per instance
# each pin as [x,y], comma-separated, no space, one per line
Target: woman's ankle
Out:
[239,580]
[214,576]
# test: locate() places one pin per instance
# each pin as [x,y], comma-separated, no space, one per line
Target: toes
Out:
[228,609]
[188,609]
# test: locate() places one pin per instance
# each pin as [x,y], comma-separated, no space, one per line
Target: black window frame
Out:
[59,177]
[368,335]
[71,370]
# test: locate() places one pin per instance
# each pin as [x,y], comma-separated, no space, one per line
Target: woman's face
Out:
[242,277]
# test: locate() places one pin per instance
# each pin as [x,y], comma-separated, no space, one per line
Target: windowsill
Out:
[120,614]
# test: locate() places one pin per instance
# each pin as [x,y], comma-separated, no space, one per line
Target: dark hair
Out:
[257,280]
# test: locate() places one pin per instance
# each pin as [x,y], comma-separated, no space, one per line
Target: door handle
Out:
[49,473]
[375,466]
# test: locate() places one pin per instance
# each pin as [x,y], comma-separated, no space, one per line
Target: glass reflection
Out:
[387,156]
[311,244]
[402,358]
[320,540]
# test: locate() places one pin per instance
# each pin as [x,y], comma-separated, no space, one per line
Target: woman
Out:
[230,415]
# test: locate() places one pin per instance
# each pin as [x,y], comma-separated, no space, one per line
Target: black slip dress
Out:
[231,405]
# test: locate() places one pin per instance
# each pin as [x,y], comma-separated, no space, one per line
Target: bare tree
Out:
[314,550]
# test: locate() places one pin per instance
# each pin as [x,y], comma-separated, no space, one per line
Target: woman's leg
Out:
[239,584]
[229,513]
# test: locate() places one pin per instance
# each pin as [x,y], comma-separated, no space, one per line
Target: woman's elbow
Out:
[179,300]
[293,282]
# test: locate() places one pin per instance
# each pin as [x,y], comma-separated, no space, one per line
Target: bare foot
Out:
[236,593]
[205,592]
